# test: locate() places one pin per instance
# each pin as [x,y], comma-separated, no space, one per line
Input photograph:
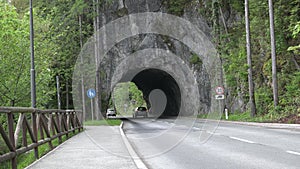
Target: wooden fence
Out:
[43,126]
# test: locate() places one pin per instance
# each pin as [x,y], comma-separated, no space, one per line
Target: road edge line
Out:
[293,152]
[136,159]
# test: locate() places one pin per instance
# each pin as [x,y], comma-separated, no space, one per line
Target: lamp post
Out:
[32,70]
[32,79]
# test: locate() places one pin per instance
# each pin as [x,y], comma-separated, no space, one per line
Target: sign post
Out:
[220,93]
[220,96]
[226,113]
[91,93]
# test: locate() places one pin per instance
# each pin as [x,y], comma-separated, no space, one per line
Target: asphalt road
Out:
[232,146]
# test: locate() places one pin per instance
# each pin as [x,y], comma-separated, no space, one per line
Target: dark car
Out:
[140,111]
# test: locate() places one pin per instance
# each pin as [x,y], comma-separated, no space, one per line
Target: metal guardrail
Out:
[50,124]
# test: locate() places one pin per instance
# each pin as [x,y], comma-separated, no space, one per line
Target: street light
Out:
[32,70]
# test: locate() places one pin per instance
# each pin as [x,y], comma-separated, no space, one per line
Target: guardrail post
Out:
[10,122]
[68,120]
[24,133]
[65,125]
[40,127]
[73,121]
[58,118]
[35,133]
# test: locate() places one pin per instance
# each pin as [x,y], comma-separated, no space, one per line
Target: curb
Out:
[270,125]
[136,159]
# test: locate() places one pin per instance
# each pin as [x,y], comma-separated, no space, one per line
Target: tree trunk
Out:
[96,36]
[98,104]
[273,53]
[249,61]
[67,95]
[82,79]
[295,62]
[216,25]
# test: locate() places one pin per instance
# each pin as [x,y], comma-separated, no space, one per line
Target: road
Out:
[231,146]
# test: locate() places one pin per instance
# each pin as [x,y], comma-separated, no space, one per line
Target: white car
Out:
[110,113]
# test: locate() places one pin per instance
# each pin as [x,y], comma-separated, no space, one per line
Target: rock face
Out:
[157,61]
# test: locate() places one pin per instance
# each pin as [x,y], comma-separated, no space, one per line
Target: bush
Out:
[263,98]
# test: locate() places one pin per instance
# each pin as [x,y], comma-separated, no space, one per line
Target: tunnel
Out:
[152,69]
[150,79]
[121,59]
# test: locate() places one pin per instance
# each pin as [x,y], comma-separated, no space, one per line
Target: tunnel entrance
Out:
[160,71]
[151,79]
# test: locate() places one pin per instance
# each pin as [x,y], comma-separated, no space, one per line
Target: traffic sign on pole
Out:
[91,93]
[220,97]
[219,90]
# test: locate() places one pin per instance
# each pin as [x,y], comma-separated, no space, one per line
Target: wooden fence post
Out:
[35,133]
[10,122]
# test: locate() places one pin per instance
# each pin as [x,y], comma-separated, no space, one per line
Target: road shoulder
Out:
[90,149]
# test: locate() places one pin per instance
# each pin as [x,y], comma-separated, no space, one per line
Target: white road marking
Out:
[293,152]
[196,128]
[243,140]
[212,133]
[136,159]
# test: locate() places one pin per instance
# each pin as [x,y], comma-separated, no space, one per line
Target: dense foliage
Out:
[287,39]
[57,44]
[126,97]
[15,58]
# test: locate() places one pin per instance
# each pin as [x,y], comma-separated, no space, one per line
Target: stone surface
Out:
[203,74]
[145,41]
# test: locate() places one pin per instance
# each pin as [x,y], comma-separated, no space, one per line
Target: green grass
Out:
[245,117]
[202,116]
[238,117]
[108,122]
[26,159]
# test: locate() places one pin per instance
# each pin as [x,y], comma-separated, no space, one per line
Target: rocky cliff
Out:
[157,70]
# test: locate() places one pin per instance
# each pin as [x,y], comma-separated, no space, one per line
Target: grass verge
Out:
[107,122]
[261,118]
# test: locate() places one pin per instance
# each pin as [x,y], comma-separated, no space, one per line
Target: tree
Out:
[249,61]
[273,53]
[77,10]
[15,60]
[68,36]
[12,86]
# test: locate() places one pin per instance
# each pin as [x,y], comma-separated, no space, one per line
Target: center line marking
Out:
[212,133]
[293,152]
[243,140]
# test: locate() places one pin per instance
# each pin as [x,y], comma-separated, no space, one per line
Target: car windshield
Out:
[142,108]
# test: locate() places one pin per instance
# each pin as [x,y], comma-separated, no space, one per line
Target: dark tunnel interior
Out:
[150,79]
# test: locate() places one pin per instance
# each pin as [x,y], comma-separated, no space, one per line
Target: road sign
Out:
[220,96]
[91,93]
[219,90]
